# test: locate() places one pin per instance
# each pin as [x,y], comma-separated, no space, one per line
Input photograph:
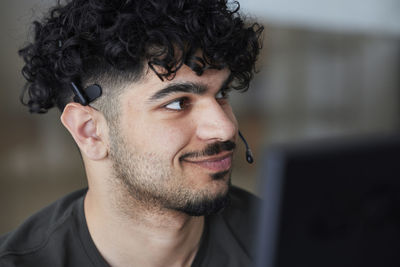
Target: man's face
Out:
[173,142]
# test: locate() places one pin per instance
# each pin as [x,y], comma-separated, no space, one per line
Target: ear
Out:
[83,124]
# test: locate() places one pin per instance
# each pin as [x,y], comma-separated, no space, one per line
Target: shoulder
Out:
[34,235]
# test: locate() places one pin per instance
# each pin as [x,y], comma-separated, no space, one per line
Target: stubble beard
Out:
[151,182]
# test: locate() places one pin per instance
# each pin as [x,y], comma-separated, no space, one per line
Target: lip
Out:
[217,163]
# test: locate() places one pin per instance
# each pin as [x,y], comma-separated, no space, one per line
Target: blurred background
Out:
[328,69]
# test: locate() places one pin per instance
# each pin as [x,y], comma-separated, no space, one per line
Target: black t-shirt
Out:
[58,236]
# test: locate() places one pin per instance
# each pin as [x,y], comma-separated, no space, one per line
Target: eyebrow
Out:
[186,87]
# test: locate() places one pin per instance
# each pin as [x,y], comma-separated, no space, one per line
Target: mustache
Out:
[211,149]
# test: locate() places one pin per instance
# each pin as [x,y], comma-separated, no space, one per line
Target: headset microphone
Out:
[249,155]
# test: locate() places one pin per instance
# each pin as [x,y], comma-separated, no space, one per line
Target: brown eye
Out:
[178,104]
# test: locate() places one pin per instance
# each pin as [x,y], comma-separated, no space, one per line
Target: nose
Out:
[216,123]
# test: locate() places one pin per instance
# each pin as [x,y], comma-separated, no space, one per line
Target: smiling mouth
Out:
[216,164]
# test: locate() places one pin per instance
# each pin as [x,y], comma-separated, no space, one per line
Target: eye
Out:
[178,104]
[223,94]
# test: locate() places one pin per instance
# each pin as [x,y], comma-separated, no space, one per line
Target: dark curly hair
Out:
[110,42]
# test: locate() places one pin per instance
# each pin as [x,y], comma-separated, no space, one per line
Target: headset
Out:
[89,94]
[94,91]
[249,154]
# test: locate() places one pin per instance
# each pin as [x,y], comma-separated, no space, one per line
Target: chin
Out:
[213,198]
[206,206]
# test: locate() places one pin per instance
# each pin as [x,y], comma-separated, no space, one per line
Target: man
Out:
[143,88]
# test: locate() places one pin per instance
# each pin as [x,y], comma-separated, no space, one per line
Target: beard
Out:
[150,179]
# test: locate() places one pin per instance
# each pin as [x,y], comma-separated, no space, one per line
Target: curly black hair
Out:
[110,42]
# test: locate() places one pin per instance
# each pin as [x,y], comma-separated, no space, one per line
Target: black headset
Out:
[249,154]
[89,94]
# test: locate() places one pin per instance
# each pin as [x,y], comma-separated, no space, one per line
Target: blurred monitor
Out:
[331,204]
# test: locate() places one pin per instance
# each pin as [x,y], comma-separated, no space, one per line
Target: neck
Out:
[134,235]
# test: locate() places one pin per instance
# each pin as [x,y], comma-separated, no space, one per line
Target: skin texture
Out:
[153,162]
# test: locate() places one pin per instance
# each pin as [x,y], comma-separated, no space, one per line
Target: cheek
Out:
[162,138]
[171,138]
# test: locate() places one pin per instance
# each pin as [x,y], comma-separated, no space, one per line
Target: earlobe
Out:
[83,126]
